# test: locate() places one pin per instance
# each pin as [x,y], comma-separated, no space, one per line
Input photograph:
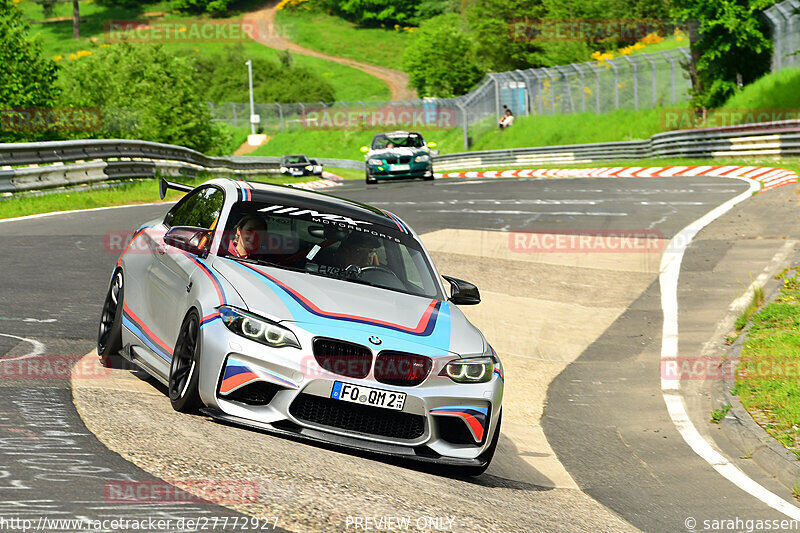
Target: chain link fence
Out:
[784,18]
[636,81]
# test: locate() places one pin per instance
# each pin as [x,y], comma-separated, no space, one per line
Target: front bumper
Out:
[286,391]
[415,171]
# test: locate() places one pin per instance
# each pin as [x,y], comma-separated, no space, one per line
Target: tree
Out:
[27,79]
[76,20]
[439,59]
[729,42]
[215,7]
[493,25]
[145,93]
[222,77]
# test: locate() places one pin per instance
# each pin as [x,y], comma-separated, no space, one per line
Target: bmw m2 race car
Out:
[398,155]
[300,313]
[300,165]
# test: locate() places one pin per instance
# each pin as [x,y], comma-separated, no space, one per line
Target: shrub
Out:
[144,93]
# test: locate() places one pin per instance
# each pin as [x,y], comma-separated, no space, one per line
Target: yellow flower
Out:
[196,49]
[651,38]
[587,90]
[57,58]
[182,28]
[73,56]
[83,53]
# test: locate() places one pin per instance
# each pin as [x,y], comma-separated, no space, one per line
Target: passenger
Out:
[357,249]
[251,232]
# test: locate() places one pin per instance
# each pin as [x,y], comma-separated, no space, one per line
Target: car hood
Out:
[350,311]
[401,151]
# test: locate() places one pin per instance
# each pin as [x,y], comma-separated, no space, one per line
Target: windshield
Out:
[294,159]
[404,140]
[328,245]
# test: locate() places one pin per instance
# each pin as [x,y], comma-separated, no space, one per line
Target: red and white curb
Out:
[769,177]
[330,180]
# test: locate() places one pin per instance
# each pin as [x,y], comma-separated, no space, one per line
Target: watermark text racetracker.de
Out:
[152,524]
[587,241]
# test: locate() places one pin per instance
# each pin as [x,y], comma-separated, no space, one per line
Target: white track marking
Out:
[38,347]
[668,281]
[55,213]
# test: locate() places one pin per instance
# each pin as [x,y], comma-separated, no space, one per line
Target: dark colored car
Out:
[299,165]
[398,155]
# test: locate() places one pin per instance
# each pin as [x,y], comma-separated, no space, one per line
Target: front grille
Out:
[393,160]
[402,369]
[259,393]
[363,419]
[343,358]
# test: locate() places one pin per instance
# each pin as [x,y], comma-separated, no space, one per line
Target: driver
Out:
[357,249]
[251,231]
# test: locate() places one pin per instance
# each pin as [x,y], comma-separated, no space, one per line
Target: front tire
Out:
[371,179]
[109,335]
[184,369]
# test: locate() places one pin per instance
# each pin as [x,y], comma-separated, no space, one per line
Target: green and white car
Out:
[398,155]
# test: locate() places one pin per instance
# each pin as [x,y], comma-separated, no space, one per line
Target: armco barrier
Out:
[33,166]
[30,166]
[748,140]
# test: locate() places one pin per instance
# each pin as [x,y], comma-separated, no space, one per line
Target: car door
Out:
[170,272]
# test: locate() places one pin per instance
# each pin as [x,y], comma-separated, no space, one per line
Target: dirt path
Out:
[265,32]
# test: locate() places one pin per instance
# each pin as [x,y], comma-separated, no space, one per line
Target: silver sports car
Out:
[305,314]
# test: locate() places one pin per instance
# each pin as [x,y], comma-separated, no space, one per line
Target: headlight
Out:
[375,162]
[470,370]
[256,328]
[422,158]
[309,167]
[284,169]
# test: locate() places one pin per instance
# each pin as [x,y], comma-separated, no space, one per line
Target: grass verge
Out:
[767,376]
[337,37]
[132,192]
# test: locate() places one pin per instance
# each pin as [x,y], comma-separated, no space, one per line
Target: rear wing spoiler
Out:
[164,185]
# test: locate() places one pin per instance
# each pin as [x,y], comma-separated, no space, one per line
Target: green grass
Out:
[775,91]
[718,414]
[755,302]
[327,143]
[337,37]
[56,40]
[136,192]
[545,130]
[768,375]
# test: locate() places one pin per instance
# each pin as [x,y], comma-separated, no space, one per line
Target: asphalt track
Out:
[604,417]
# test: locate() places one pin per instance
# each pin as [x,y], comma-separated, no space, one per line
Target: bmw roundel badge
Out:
[375,340]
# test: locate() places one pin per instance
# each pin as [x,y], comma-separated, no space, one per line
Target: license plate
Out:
[368,396]
[297,171]
[400,167]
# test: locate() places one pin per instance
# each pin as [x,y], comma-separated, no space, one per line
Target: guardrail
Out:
[749,140]
[46,165]
[31,166]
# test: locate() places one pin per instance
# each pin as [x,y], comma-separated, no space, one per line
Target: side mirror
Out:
[432,145]
[364,149]
[462,292]
[189,239]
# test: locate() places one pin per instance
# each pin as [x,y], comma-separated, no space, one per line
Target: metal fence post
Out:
[654,99]
[552,90]
[280,114]
[596,87]
[688,56]
[616,83]
[566,89]
[583,86]
[465,124]
[634,70]
[539,86]
[671,76]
